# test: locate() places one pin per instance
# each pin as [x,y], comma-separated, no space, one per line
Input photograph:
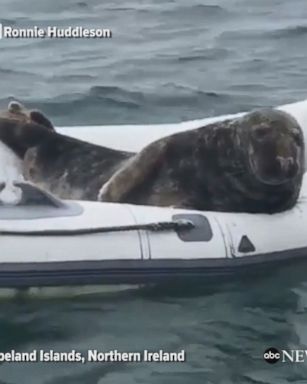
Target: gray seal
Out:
[254,163]
[21,128]
[67,167]
[250,164]
[17,113]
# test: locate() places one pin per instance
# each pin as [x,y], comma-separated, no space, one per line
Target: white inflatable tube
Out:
[89,243]
[135,137]
[46,242]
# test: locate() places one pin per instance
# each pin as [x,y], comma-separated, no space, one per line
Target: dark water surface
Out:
[167,61]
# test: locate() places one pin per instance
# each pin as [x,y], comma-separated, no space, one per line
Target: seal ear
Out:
[39,118]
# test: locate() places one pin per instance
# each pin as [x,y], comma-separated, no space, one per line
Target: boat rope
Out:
[154,227]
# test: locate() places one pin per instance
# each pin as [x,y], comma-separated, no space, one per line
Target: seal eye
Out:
[260,133]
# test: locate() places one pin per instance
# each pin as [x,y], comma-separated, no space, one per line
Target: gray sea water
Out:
[168,61]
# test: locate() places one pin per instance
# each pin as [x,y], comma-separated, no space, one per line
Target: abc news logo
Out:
[273,355]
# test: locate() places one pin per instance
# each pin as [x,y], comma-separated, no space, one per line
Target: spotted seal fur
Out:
[12,166]
[18,113]
[68,167]
[253,163]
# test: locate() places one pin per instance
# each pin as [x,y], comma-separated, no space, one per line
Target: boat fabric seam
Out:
[148,243]
[138,232]
[224,239]
[260,258]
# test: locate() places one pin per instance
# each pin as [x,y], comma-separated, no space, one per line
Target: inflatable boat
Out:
[47,242]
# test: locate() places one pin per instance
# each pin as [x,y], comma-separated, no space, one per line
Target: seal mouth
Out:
[282,171]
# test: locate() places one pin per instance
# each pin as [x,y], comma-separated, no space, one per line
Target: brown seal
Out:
[254,163]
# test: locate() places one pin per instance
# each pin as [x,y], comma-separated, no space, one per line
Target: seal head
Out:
[21,128]
[17,111]
[254,163]
[274,146]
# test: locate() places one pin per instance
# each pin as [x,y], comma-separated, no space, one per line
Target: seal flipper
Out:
[134,173]
[29,162]
[18,110]
[39,118]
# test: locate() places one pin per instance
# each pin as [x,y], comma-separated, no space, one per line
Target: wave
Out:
[198,10]
[76,77]
[8,71]
[263,34]
[291,32]
[114,94]
[103,104]
[8,22]
[205,54]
